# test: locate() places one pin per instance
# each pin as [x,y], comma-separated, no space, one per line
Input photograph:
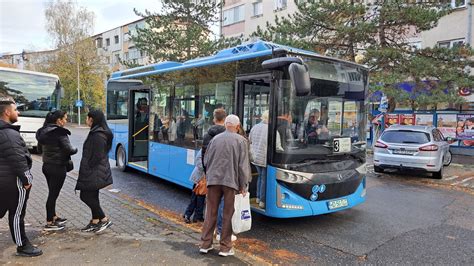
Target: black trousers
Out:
[91,199]
[13,199]
[196,206]
[55,175]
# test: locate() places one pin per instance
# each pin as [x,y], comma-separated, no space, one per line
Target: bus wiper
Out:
[309,162]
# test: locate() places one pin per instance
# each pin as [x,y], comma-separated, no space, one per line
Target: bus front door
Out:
[253,96]
[139,112]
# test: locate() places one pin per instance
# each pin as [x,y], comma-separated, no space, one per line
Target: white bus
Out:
[35,94]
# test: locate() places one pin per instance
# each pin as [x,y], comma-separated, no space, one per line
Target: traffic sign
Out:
[79,103]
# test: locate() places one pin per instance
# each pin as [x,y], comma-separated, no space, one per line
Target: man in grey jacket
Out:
[227,172]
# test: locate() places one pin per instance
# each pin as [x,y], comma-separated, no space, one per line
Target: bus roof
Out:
[240,52]
[21,71]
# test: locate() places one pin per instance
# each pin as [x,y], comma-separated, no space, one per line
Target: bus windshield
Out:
[34,93]
[307,126]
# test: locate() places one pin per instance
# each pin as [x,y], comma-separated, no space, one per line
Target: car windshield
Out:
[307,126]
[406,137]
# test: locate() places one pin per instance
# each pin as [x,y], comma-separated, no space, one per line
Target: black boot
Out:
[28,250]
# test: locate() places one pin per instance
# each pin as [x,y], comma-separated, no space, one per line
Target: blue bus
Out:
[160,112]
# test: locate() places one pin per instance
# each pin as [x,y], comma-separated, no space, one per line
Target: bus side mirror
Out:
[299,76]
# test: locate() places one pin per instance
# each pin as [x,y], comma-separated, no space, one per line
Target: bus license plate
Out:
[336,204]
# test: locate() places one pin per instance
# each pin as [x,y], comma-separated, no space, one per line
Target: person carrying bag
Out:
[242,218]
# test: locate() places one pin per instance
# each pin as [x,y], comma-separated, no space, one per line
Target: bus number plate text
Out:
[336,204]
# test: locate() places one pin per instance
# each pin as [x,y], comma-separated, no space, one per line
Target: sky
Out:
[22,22]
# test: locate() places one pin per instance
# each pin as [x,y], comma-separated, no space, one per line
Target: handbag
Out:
[69,166]
[201,187]
[242,218]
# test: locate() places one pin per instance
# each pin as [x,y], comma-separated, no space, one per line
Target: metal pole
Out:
[78,97]
[469,24]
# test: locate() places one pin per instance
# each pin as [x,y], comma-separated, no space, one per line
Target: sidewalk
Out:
[137,235]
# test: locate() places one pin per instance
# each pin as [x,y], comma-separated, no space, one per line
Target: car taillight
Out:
[379,144]
[431,147]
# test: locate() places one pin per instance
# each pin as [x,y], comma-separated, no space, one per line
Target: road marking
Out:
[462,181]
[451,178]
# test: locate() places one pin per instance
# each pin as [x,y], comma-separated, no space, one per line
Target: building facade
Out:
[240,18]
[116,47]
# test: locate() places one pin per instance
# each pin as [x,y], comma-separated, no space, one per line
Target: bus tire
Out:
[121,158]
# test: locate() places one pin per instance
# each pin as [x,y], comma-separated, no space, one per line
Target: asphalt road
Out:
[406,219]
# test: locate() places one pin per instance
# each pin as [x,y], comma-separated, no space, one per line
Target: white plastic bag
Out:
[242,218]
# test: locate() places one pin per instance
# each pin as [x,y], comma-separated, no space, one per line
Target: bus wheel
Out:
[121,157]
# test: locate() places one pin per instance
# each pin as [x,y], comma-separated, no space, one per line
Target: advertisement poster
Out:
[447,124]
[407,119]
[465,127]
[391,119]
[424,120]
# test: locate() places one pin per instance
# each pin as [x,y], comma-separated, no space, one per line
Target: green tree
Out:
[70,28]
[379,36]
[182,30]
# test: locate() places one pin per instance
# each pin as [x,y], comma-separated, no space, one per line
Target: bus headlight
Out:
[291,176]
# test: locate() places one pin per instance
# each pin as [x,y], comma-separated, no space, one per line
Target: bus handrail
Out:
[139,131]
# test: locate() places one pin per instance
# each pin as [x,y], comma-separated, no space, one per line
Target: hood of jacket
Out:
[4,125]
[50,132]
[215,130]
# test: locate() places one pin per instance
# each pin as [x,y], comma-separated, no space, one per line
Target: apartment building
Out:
[115,46]
[242,17]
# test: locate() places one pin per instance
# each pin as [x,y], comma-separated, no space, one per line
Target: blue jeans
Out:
[219,216]
[261,182]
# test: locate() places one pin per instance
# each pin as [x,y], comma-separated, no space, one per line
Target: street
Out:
[406,219]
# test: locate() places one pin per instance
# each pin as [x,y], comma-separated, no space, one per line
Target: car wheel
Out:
[439,174]
[378,169]
[447,158]
[121,159]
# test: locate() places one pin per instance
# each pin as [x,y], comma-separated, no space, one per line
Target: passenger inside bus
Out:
[284,129]
[141,119]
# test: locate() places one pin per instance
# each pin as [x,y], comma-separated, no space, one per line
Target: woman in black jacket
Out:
[94,173]
[57,151]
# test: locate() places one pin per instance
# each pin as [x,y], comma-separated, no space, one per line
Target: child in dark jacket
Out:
[197,203]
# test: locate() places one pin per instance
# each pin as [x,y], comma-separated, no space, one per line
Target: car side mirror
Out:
[450,139]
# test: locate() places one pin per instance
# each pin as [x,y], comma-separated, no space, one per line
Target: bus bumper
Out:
[283,203]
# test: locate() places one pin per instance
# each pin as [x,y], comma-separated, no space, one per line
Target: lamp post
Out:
[78,97]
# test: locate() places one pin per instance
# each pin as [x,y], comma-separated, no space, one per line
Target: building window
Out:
[458,3]
[107,42]
[280,4]
[98,43]
[257,8]
[125,55]
[451,43]
[116,39]
[234,15]
[107,59]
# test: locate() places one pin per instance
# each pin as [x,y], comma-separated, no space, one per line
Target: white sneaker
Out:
[233,237]
[205,250]
[257,200]
[228,253]
[261,205]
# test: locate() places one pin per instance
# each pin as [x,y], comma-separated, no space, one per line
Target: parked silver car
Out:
[419,148]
